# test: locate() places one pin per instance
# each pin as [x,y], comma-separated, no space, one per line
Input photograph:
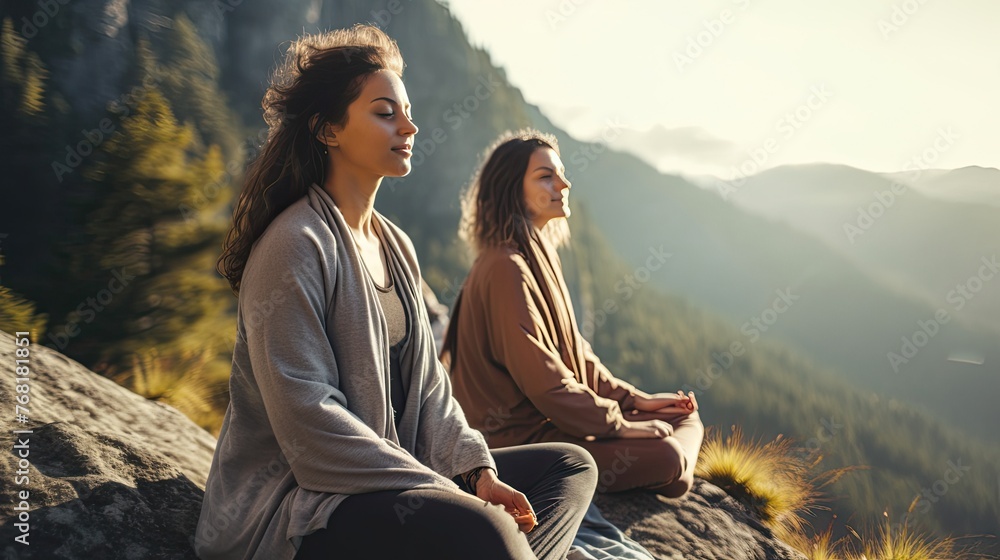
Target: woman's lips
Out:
[404,149]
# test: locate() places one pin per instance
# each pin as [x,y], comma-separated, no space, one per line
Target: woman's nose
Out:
[410,127]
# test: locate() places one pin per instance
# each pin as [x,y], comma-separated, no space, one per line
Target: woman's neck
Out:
[354,194]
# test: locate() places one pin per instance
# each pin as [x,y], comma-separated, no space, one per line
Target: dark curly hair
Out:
[322,74]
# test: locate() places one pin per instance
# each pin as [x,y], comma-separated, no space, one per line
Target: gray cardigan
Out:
[309,420]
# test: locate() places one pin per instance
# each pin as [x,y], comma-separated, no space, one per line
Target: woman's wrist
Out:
[473,477]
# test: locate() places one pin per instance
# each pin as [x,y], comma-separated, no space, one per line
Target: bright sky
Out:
[707,87]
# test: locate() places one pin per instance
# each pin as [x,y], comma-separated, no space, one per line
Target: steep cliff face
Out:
[90,44]
[112,475]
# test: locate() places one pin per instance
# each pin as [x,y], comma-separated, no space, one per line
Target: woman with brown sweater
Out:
[519,366]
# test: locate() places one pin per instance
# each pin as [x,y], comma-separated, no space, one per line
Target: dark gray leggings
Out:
[558,479]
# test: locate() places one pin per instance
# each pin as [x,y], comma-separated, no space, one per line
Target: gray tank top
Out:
[395,317]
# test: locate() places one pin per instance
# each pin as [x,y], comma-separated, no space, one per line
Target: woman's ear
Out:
[325,135]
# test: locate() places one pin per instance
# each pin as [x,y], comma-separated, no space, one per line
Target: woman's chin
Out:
[399,170]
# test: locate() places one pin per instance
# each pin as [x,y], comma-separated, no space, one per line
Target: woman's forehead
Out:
[384,84]
[545,156]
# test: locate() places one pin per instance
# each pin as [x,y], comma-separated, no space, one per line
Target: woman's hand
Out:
[646,429]
[495,491]
[666,403]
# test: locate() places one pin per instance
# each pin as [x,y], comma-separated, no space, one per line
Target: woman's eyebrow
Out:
[389,99]
[547,168]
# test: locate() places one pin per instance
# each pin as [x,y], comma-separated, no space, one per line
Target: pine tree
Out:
[189,78]
[32,126]
[33,90]
[23,73]
[173,302]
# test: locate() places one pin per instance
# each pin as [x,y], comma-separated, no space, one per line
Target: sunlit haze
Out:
[719,87]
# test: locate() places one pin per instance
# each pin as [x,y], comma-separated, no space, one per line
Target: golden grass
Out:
[769,478]
[19,314]
[901,543]
[822,547]
[779,487]
[186,382]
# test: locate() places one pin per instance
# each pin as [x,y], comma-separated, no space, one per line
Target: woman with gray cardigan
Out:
[342,438]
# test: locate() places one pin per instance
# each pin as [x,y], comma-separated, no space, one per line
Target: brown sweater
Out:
[518,363]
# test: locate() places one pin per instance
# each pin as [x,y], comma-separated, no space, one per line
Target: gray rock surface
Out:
[113,475]
[706,524]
